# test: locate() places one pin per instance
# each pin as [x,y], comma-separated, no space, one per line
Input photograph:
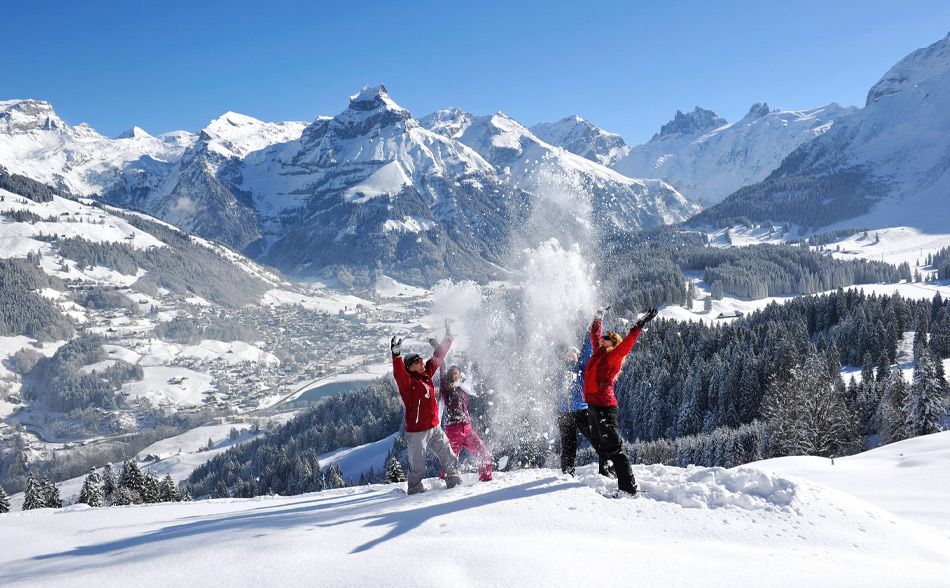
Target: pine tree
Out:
[4,501]
[33,496]
[220,490]
[123,496]
[51,497]
[891,411]
[921,332]
[110,483]
[807,414]
[335,477]
[169,492]
[133,480]
[151,488]
[924,408]
[91,492]
[394,471]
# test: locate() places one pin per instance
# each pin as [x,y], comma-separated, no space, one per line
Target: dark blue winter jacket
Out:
[572,391]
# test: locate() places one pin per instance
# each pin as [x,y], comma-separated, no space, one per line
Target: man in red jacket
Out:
[602,369]
[414,379]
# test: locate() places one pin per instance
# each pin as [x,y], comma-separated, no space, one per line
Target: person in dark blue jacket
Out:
[572,410]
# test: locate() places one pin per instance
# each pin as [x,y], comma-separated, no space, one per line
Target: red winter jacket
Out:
[603,367]
[417,391]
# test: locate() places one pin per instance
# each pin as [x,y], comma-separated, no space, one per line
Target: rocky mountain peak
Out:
[757,110]
[698,121]
[20,116]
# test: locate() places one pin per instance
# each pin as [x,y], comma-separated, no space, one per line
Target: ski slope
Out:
[692,526]
[910,479]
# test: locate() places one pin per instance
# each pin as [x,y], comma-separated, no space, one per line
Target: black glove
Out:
[649,316]
[434,342]
[395,346]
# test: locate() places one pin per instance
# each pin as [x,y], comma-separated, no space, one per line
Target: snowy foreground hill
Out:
[828,525]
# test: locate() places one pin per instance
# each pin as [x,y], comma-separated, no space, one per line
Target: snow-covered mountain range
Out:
[523,159]
[584,138]
[701,154]
[885,165]
[707,158]
[371,188]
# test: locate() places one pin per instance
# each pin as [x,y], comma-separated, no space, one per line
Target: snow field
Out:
[530,527]
[158,388]
[910,479]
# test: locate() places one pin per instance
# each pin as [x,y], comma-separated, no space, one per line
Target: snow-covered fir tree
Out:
[220,490]
[51,494]
[891,410]
[334,477]
[110,483]
[123,496]
[4,501]
[33,496]
[394,472]
[133,480]
[151,488]
[91,492]
[169,491]
[807,414]
[924,405]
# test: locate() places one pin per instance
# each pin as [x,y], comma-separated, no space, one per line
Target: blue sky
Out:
[627,66]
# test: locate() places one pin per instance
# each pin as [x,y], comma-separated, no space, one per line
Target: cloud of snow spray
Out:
[513,335]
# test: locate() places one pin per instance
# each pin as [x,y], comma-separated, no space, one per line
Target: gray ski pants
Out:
[435,440]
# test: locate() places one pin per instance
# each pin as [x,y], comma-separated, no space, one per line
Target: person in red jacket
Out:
[414,379]
[603,367]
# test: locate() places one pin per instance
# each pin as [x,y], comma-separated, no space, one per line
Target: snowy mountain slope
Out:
[355,461]
[530,527]
[707,158]
[617,201]
[373,188]
[886,165]
[37,143]
[197,324]
[582,137]
[197,190]
[909,478]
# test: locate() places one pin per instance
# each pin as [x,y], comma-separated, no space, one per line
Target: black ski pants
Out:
[569,424]
[604,427]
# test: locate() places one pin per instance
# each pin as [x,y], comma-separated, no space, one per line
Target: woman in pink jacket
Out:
[458,424]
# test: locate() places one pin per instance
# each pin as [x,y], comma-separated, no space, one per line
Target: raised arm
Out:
[438,356]
[587,349]
[627,344]
[595,331]
[399,366]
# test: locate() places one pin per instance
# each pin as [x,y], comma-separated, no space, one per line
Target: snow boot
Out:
[453,480]
[418,489]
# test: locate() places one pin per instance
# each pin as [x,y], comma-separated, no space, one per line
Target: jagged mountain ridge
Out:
[582,137]
[706,158]
[886,165]
[371,188]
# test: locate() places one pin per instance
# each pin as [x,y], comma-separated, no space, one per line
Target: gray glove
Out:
[601,312]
